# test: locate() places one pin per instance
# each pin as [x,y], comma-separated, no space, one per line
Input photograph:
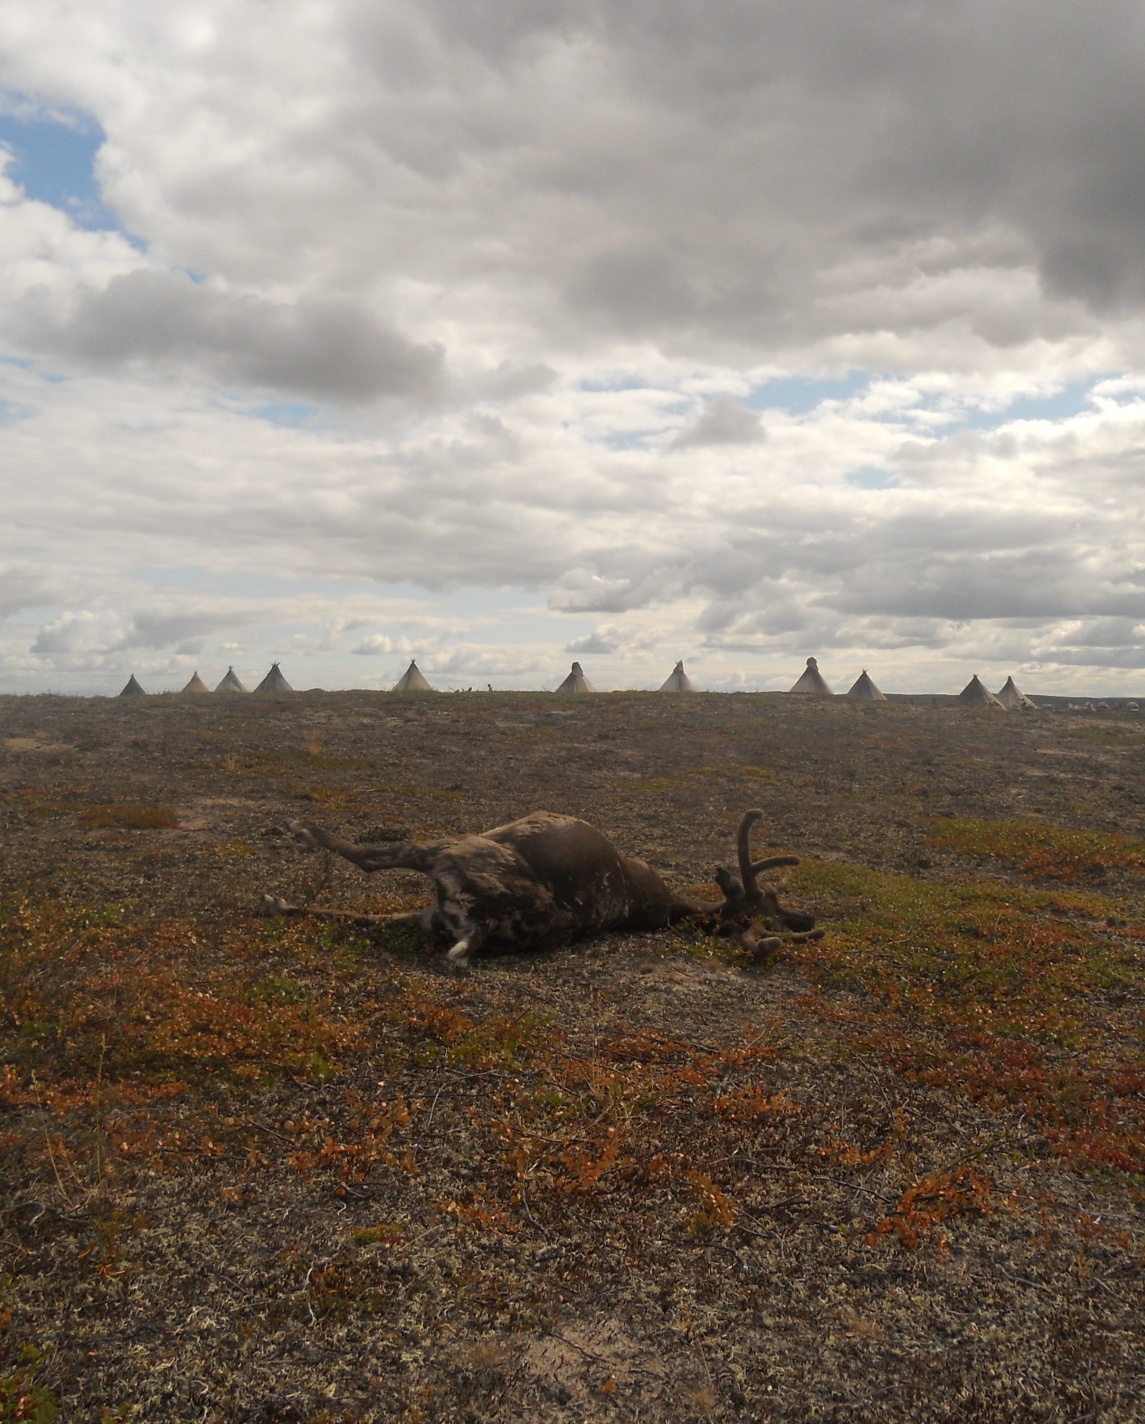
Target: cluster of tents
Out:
[811,682]
[272,682]
[974,694]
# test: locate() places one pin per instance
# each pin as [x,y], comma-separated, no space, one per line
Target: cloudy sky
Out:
[503,332]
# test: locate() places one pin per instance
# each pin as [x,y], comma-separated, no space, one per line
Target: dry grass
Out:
[262,1170]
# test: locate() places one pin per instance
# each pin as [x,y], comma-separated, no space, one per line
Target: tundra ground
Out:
[261,1170]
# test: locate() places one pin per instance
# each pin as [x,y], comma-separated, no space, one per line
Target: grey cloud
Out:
[601,640]
[325,348]
[376,645]
[151,629]
[724,422]
[22,587]
[751,146]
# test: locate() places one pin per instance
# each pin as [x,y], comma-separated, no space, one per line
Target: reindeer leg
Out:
[270,905]
[402,855]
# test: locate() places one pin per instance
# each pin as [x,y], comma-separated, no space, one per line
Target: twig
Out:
[818,1176]
[433,1105]
[262,1127]
[544,1230]
[602,1359]
[48,1143]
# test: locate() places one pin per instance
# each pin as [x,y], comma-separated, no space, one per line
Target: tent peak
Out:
[864,689]
[678,680]
[576,681]
[812,682]
[274,681]
[412,680]
[230,683]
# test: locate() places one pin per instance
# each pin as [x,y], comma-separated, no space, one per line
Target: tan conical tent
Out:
[274,681]
[196,685]
[230,683]
[412,681]
[132,689]
[679,681]
[812,681]
[864,689]
[1013,698]
[974,694]
[576,681]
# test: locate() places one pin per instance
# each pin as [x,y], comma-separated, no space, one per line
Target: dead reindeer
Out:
[548,880]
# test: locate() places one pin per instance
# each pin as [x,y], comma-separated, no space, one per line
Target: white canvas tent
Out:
[812,682]
[974,694]
[274,681]
[1013,698]
[679,681]
[576,681]
[132,689]
[230,683]
[196,685]
[864,689]
[412,680]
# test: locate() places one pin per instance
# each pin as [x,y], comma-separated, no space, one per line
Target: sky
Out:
[499,333]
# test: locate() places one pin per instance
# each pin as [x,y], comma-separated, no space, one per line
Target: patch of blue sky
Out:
[871,477]
[12,411]
[293,414]
[800,394]
[1070,400]
[53,160]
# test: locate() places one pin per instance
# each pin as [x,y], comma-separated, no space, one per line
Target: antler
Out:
[748,868]
[744,896]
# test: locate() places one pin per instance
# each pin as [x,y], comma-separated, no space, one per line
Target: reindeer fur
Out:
[547,880]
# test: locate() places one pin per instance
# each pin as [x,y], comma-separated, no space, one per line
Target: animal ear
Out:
[729,885]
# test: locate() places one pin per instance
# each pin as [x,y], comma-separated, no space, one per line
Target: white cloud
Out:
[443,327]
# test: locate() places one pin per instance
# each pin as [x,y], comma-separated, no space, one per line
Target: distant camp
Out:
[274,681]
[976,694]
[863,689]
[412,680]
[678,680]
[811,681]
[576,681]
[230,683]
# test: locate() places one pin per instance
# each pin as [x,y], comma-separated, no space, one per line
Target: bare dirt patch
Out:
[258,1170]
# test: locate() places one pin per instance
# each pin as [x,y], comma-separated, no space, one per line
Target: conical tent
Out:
[412,681]
[576,681]
[679,681]
[196,685]
[230,683]
[274,681]
[974,694]
[132,689]
[1013,698]
[812,681]
[864,689]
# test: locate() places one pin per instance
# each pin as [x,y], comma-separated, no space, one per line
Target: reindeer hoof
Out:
[302,834]
[272,905]
[760,949]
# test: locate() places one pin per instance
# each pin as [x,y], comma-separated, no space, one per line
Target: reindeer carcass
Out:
[547,880]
